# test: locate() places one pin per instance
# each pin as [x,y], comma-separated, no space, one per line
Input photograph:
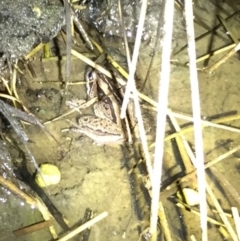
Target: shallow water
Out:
[97,177]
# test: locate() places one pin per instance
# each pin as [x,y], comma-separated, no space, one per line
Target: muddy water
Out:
[97,177]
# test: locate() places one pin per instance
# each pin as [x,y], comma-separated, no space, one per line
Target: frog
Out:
[105,127]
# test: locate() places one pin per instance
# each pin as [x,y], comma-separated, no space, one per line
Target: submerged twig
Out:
[32,228]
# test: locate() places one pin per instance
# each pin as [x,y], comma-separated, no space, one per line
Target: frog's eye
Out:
[90,75]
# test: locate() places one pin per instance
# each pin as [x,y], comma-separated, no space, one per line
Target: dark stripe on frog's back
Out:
[111,105]
[111,88]
[106,96]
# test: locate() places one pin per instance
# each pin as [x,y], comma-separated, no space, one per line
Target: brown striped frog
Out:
[105,126]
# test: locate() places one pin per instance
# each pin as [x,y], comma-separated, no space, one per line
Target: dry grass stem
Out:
[188,208]
[108,74]
[236,220]
[34,51]
[192,237]
[131,87]
[224,59]
[136,102]
[13,85]
[226,214]
[47,216]
[83,106]
[190,175]
[221,213]
[205,123]
[196,109]
[124,34]
[91,63]
[226,184]
[6,84]
[57,58]
[213,123]
[162,112]
[14,189]
[77,83]
[164,223]
[47,50]
[186,159]
[14,99]
[221,157]
[214,53]
[84,34]
[83,227]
